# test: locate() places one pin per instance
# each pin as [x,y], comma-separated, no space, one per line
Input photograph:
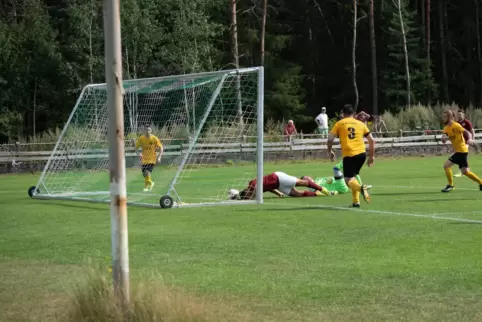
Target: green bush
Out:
[419,117]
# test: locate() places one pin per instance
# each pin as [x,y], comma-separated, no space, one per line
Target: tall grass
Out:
[419,117]
[93,299]
[416,117]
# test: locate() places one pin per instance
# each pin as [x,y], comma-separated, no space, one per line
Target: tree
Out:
[373,52]
[405,51]
[479,51]
[263,31]
[235,52]
[38,71]
[185,37]
[403,44]
[314,52]
[353,52]
[443,50]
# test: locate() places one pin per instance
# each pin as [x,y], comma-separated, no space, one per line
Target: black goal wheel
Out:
[32,190]
[166,202]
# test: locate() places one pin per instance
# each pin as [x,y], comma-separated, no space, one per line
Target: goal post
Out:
[210,126]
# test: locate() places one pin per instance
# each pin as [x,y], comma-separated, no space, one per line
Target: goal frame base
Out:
[142,204]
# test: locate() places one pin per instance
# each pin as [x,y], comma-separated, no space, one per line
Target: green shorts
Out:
[323,131]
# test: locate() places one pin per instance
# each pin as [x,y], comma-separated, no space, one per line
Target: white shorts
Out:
[286,182]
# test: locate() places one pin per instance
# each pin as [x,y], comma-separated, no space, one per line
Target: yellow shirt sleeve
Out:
[335,129]
[458,128]
[366,131]
[158,143]
[138,142]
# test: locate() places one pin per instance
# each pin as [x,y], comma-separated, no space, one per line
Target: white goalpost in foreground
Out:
[210,125]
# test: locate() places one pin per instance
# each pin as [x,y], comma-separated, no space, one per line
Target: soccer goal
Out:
[210,126]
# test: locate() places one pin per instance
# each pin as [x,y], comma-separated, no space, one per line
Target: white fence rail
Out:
[295,144]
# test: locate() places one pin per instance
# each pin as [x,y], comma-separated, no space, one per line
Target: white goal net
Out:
[209,125]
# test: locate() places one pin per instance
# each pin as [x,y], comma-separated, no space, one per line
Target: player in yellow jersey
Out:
[352,133]
[454,132]
[149,144]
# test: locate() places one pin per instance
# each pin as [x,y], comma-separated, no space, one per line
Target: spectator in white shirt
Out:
[379,125]
[322,122]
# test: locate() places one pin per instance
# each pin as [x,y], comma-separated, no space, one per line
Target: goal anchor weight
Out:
[166,201]
[32,191]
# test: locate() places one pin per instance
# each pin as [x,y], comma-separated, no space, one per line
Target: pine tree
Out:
[393,77]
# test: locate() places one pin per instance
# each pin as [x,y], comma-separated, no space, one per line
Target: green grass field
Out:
[413,254]
[194,185]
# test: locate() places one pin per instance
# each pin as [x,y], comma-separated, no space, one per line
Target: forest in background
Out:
[379,55]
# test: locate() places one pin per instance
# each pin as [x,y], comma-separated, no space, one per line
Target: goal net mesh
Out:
[207,124]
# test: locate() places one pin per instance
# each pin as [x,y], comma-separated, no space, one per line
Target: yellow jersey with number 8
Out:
[455,132]
[351,133]
[149,146]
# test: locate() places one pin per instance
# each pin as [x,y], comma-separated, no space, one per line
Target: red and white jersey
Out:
[277,180]
[466,124]
[270,182]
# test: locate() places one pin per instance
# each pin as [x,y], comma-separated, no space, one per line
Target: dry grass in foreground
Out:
[92,299]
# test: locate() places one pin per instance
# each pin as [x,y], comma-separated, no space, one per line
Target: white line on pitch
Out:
[392,213]
[460,212]
[424,188]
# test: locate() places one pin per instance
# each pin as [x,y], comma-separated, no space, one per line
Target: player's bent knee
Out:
[348,179]
[295,193]
[464,170]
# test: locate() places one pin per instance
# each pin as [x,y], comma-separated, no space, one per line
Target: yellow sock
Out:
[450,177]
[355,190]
[355,196]
[473,177]
[354,185]
[148,179]
[146,182]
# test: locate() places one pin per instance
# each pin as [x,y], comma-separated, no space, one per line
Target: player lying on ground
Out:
[282,184]
[466,124]
[455,133]
[352,133]
[336,184]
[333,185]
[149,144]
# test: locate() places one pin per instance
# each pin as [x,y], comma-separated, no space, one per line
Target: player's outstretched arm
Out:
[277,192]
[160,149]
[469,135]
[329,146]
[444,137]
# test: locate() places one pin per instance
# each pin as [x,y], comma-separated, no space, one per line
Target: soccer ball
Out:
[233,194]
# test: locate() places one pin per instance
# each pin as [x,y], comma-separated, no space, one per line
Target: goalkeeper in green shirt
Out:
[336,184]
